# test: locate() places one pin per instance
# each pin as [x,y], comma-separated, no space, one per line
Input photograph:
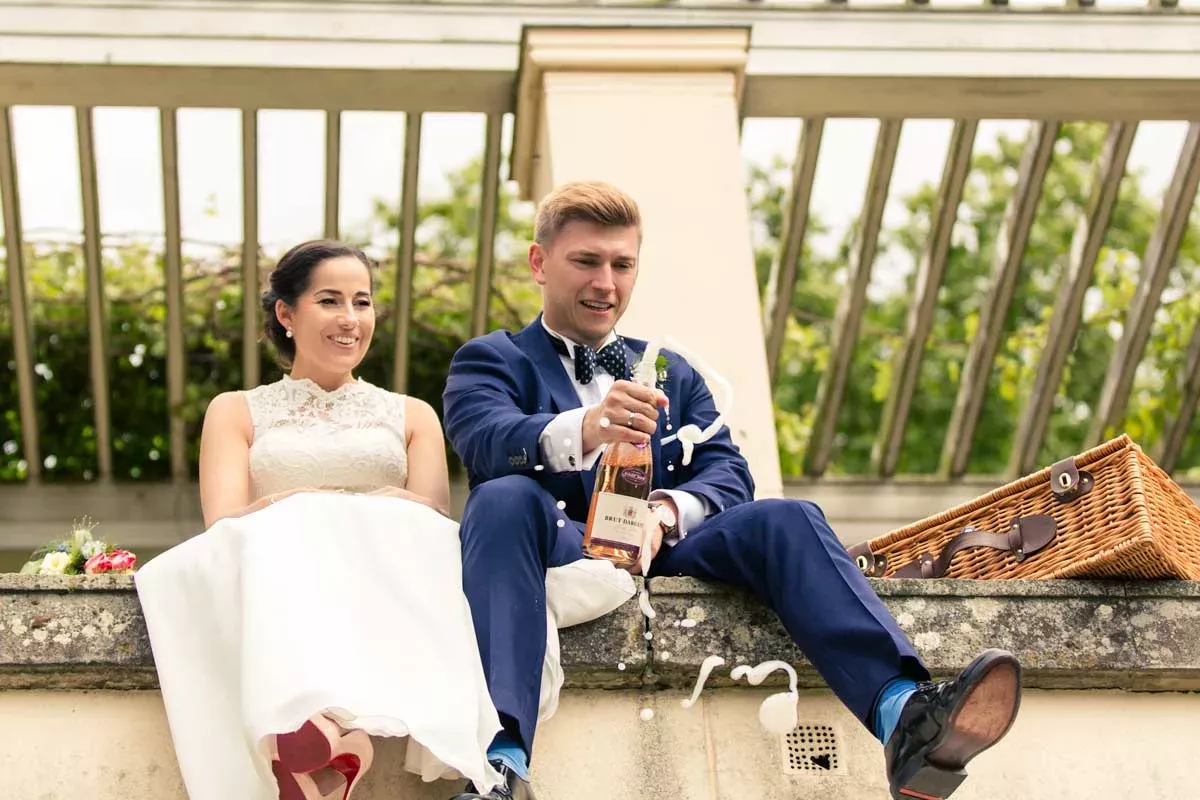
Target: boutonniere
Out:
[660,371]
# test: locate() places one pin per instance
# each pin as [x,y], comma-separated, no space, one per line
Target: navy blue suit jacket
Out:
[504,388]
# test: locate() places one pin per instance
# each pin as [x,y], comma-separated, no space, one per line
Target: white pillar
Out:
[655,112]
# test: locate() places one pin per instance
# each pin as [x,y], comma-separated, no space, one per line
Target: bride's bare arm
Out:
[428,475]
[225,458]
[225,461]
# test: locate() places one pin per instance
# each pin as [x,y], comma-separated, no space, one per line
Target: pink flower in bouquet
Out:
[122,560]
[97,564]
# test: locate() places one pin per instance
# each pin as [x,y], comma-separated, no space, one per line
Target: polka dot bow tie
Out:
[610,358]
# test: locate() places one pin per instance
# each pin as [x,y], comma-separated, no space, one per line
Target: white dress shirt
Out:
[561,441]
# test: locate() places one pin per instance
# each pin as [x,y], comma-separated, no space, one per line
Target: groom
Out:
[530,413]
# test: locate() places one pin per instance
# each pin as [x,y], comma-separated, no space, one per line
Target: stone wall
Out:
[1111,706]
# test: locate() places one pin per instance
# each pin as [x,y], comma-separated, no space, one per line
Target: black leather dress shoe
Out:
[944,725]
[513,788]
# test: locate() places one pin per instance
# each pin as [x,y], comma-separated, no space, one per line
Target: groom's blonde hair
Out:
[587,201]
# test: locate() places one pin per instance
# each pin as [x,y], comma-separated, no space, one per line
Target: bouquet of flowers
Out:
[79,554]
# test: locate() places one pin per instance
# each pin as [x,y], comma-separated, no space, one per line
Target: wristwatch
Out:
[666,518]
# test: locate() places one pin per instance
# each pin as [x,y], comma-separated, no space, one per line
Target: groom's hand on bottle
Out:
[656,532]
[631,411]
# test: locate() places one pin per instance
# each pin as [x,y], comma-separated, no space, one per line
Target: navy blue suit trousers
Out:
[781,550]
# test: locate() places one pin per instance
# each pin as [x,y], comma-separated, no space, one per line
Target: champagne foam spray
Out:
[647,375]
[647,372]
[691,435]
[777,713]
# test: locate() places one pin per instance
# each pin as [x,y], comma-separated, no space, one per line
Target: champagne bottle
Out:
[620,506]
[617,517]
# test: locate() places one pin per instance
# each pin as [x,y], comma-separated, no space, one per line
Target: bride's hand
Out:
[275,498]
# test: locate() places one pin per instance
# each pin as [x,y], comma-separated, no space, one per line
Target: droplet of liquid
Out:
[621,666]
[562,523]
[709,664]
[665,656]
[647,714]
[756,675]
[777,713]
[649,635]
[644,602]
[561,504]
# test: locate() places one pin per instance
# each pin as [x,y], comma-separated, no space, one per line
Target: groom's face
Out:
[587,273]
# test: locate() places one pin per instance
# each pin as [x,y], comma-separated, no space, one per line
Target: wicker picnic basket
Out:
[1110,512]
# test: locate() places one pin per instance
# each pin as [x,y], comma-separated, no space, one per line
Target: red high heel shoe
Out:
[317,758]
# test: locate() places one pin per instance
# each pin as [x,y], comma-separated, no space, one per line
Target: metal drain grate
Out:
[812,748]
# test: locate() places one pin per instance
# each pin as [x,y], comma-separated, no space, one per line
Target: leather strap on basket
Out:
[1068,481]
[869,563]
[1025,536]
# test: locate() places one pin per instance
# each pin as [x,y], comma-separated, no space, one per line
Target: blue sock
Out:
[507,750]
[887,709]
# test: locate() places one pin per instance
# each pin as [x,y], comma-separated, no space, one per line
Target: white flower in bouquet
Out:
[91,547]
[55,563]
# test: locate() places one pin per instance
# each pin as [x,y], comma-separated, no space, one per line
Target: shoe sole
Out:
[304,750]
[982,718]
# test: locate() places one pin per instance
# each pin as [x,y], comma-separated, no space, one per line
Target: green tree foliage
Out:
[1158,389]
[136,346]
[446,243]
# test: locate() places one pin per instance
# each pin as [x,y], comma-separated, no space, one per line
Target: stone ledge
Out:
[1068,634]
[87,633]
[73,632]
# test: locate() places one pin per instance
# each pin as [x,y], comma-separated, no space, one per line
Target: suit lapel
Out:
[534,341]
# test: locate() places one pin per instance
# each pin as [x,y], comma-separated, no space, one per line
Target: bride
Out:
[323,605]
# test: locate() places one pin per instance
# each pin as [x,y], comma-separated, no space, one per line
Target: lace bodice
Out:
[350,438]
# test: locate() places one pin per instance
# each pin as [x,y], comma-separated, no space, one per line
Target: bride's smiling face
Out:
[333,320]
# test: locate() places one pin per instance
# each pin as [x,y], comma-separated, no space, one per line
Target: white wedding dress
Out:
[336,603]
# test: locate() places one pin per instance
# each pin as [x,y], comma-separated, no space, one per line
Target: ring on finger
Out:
[629,422]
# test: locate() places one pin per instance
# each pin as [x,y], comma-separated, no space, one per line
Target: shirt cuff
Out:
[692,511]
[561,443]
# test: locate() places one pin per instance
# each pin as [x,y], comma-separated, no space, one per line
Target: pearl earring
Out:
[289,333]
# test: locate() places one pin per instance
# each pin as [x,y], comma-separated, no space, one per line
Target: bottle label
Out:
[620,521]
[635,476]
